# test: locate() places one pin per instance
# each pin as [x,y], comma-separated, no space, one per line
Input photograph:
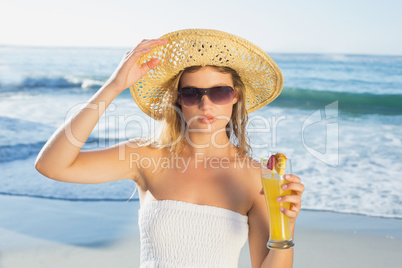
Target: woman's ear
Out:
[235,99]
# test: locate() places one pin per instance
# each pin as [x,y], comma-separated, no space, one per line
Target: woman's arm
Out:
[260,255]
[61,157]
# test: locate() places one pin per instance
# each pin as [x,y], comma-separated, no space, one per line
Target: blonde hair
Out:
[173,124]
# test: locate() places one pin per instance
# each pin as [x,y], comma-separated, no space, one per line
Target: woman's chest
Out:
[229,188]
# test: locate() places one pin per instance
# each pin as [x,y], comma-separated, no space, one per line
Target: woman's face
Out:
[207,116]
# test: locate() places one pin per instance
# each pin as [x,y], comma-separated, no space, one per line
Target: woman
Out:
[199,188]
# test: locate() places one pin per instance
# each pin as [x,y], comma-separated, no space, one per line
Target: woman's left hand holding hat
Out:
[129,72]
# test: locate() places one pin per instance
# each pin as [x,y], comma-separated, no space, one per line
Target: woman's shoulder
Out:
[246,162]
[142,143]
[146,146]
[144,155]
[139,152]
[247,167]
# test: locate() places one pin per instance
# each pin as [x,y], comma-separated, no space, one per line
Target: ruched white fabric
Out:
[180,234]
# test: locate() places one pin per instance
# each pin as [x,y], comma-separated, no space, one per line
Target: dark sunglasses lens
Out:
[221,95]
[189,96]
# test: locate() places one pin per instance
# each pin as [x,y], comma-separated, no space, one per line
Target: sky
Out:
[285,26]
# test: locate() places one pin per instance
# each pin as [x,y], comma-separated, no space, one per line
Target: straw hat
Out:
[261,76]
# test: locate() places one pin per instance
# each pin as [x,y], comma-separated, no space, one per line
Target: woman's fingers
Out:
[150,43]
[149,65]
[297,188]
[294,199]
[294,184]
[292,178]
[295,204]
[129,72]
[290,213]
[136,54]
[143,48]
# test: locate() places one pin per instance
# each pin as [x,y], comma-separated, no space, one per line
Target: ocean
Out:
[339,119]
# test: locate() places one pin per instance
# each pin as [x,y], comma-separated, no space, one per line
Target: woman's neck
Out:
[208,145]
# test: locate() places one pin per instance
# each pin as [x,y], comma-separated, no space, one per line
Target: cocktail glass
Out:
[279,228]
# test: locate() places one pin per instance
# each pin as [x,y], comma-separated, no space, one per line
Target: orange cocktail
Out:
[272,179]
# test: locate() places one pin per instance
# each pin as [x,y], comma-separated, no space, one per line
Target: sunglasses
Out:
[191,96]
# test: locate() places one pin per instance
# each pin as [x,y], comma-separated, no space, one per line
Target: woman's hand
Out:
[129,72]
[294,199]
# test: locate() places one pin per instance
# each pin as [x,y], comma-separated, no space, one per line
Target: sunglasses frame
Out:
[200,92]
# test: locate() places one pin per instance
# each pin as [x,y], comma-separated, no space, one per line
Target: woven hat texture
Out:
[261,76]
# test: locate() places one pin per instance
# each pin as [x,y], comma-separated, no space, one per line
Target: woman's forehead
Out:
[206,77]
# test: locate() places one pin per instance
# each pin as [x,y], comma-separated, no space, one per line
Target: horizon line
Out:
[271,51]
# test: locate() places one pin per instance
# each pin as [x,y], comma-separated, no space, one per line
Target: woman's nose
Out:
[205,102]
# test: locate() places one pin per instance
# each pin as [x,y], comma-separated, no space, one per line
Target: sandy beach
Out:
[38,232]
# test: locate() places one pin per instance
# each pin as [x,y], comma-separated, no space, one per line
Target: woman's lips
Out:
[206,119]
